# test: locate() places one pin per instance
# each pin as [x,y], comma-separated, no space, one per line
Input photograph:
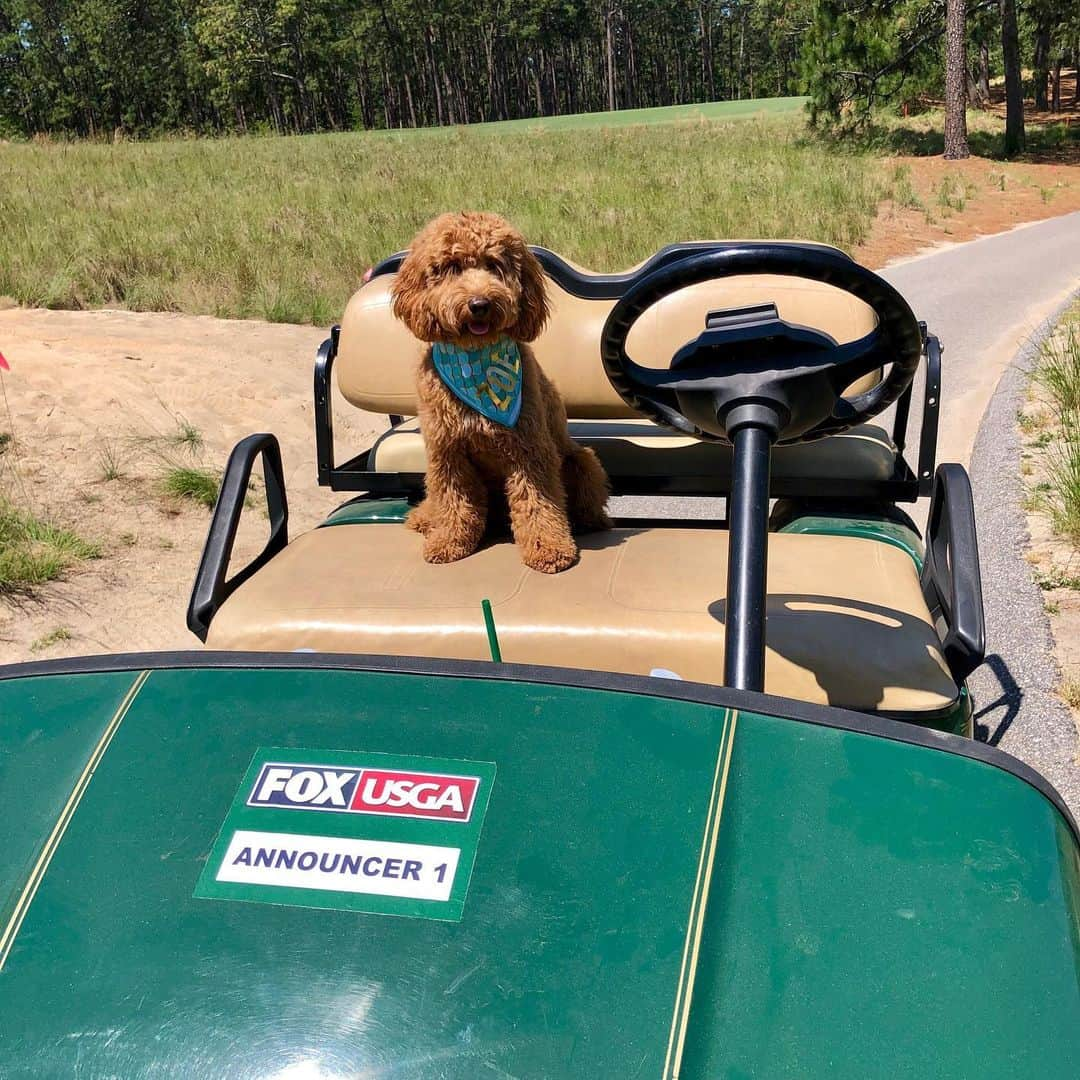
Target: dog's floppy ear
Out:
[408,293]
[533,309]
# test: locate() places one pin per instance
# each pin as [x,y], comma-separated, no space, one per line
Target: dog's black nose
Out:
[479,307]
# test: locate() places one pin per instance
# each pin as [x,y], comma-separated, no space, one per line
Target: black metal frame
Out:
[951,581]
[748,553]
[211,588]
[903,486]
[592,286]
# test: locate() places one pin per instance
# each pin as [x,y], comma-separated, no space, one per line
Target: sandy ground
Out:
[1054,559]
[87,388]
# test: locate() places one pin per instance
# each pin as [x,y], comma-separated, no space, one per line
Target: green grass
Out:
[953,192]
[111,458]
[710,110]
[1059,366]
[1056,578]
[53,637]
[1070,693]
[198,485]
[1058,373]
[904,193]
[33,551]
[283,228]
[187,436]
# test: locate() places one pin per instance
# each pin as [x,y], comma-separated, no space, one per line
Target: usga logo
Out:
[364,791]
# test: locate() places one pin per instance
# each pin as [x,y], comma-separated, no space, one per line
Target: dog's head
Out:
[468,278]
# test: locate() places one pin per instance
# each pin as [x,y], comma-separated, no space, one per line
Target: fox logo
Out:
[365,791]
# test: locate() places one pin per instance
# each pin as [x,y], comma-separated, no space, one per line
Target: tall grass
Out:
[283,228]
[186,482]
[33,551]
[1059,374]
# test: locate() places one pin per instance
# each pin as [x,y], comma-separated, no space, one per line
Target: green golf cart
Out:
[704,805]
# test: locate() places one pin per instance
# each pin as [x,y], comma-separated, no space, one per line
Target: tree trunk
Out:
[1055,83]
[1041,64]
[609,46]
[742,55]
[973,96]
[731,60]
[534,69]
[978,79]
[984,69]
[1014,89]
[707,77]
[409,99]
[956,144]
[434,76]
[489,56]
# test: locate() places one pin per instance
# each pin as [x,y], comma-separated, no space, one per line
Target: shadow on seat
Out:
[797,627]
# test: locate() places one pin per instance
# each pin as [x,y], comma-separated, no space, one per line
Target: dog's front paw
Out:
[442,547]
[549,558]
[420,519]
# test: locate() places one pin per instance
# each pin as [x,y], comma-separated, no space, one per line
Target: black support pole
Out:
[748,538]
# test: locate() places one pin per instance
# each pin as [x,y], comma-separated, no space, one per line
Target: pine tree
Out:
[1014,93]
[956,76]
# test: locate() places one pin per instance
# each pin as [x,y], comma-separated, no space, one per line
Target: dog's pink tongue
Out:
[478,329]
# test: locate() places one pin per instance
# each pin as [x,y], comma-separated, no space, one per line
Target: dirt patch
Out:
[943,202]
[940,202]
[98,394]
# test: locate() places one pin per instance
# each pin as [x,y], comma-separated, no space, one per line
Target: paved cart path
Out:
[983,299]
[1016,690]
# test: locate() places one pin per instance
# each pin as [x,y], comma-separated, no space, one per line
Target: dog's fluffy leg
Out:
[537,501]
[422,517]
[587,489]
[454,526]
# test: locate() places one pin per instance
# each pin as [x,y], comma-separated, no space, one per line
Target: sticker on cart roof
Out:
[386,833]
[364,790]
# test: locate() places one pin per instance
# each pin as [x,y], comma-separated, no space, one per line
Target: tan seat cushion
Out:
[377,356]
[641,449]
[847,624]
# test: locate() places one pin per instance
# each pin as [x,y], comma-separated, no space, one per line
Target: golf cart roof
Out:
[652,877]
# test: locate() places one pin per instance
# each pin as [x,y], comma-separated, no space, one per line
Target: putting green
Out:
[668,114]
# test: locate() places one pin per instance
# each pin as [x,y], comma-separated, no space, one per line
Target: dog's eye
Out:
[494,267]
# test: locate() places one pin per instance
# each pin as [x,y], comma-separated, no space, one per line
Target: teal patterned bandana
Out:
[487,379]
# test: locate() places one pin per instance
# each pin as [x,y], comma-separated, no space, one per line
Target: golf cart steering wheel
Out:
[749,363]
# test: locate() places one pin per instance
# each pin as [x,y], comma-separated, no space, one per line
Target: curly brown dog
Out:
[471,287]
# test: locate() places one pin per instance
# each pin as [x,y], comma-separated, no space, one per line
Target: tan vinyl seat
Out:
[377,361]
[639,448]
[377,356]
[846,625]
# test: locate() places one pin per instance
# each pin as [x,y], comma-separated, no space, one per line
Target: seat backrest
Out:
[377,356]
